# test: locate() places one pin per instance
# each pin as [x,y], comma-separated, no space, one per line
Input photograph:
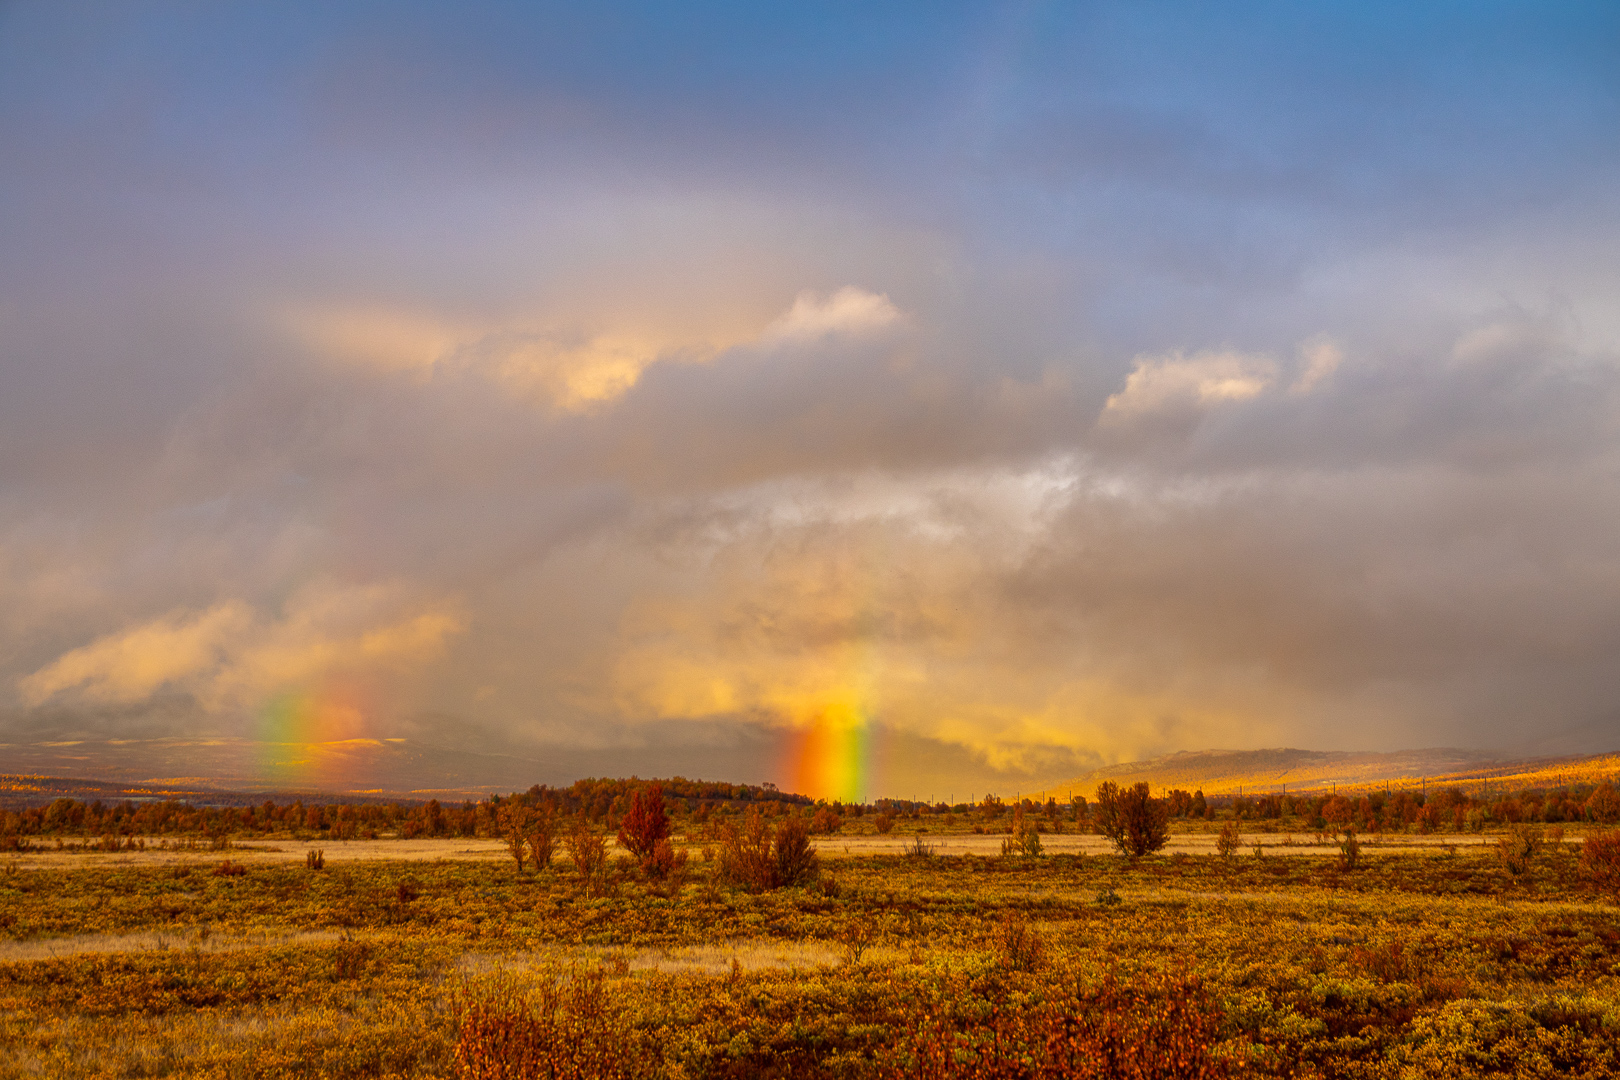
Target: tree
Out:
[514,822]
[1604,805]
[542,833]
[826,821]
[1132,818]
[644,824]
[588,850]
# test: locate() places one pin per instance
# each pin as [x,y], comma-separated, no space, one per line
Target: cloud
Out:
[1107,394]
[563,371]
[132,664]
[890,601]
[1179,383]
[231,657]
[849,311]
[1319,360]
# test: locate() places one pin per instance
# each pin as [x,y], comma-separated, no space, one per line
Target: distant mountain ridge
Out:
[1234,772]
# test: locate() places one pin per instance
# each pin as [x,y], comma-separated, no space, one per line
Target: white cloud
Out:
[850,311]
[1177,382]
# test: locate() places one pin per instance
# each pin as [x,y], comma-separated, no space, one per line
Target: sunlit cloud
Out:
[389,340]
[568,372]
[131,664]
[850,310]
[1178,382]
[231,657]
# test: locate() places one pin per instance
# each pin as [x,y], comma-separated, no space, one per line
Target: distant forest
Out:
[596,800]
[604,801]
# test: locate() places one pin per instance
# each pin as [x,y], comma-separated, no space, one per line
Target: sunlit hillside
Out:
[1239,772]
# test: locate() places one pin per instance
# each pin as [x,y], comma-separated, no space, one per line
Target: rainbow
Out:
[300,735]
[830,757]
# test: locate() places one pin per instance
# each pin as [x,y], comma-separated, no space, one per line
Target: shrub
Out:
[745,854]
[1025,839]
[644,824]
[1152,1027]
[588,850]
[1518,849]
[1019,947]
[564,1032]
[665,863]
[229,869]
[315,859]
[884,821]
[1226,841]
[1350,851]
[1600,861]
[1137,823]
[1026,843]
[407,890]
[856,939]
[826,822]
[1388,963]
[756,859]
[796,861]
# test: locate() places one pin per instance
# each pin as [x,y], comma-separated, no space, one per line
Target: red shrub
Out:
[644,824]
[1149,1029]
[1600,861]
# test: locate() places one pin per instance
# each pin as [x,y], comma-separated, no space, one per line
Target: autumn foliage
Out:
[565,1031]
[644,824]
[1600,861]
[758,858]
[1132,818]
[1154,1028]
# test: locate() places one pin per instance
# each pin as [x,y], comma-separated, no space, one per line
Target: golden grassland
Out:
[1435,963]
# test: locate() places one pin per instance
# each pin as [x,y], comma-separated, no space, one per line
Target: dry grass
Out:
[1436,963]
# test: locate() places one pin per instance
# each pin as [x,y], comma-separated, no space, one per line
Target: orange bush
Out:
[566,1032]
[1148,1029]
[1600,861]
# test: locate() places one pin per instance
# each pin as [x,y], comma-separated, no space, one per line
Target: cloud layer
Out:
[1042,388]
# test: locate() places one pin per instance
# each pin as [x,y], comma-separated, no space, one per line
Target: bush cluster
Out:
[758,858]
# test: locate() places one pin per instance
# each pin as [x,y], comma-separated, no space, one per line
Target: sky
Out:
[863,398]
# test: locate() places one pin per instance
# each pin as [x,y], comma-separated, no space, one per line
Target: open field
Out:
[1433,963]
[839,847]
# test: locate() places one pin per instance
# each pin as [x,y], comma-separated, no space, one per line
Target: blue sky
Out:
[1051,384]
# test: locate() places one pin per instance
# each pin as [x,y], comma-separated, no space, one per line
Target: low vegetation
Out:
[757,955]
